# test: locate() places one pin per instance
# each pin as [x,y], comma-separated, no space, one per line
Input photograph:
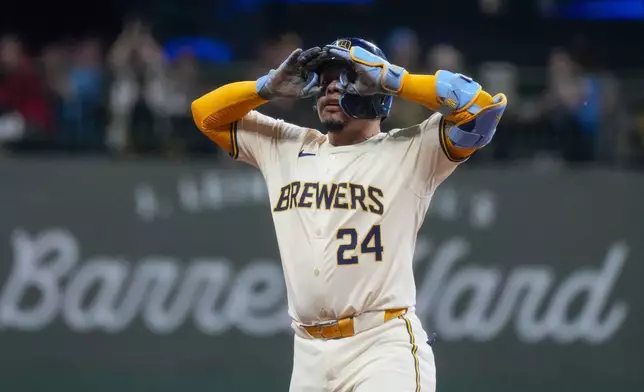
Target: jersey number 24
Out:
[371,243]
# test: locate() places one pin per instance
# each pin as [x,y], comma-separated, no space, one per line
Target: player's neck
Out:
[355,135]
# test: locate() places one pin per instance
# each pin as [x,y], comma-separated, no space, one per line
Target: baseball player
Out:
[348,200]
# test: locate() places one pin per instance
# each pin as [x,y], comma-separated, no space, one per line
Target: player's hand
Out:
[374,75]
[478,130]
[292,79]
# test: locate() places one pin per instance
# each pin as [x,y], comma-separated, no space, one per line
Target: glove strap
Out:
[392,78]
[261,86]
[457,93]
[463,139]
[391,75]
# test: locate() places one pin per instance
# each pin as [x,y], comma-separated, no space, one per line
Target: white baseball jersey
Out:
[346,217]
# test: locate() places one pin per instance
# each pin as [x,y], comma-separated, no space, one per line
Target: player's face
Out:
[328,101]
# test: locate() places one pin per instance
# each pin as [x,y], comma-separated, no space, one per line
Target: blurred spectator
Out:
[498,77]
[271,51]
[25,117]
[183,85]
[81,119]
[284,46]
[570,110]
[603,114]
[445,56]
[403,49]
[55,64]
[137,71]
[502,77]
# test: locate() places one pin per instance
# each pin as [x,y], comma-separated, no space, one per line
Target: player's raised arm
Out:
[226,115]
[462,101]
[473,112]
[216,112]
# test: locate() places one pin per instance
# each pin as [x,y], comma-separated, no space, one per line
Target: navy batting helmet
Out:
[356,106]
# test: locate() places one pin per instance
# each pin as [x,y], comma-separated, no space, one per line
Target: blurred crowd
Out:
[82,97]
[129,97]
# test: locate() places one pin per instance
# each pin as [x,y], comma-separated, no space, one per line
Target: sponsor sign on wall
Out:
[123,271]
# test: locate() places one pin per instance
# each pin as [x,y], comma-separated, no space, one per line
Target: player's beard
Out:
[331,126]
